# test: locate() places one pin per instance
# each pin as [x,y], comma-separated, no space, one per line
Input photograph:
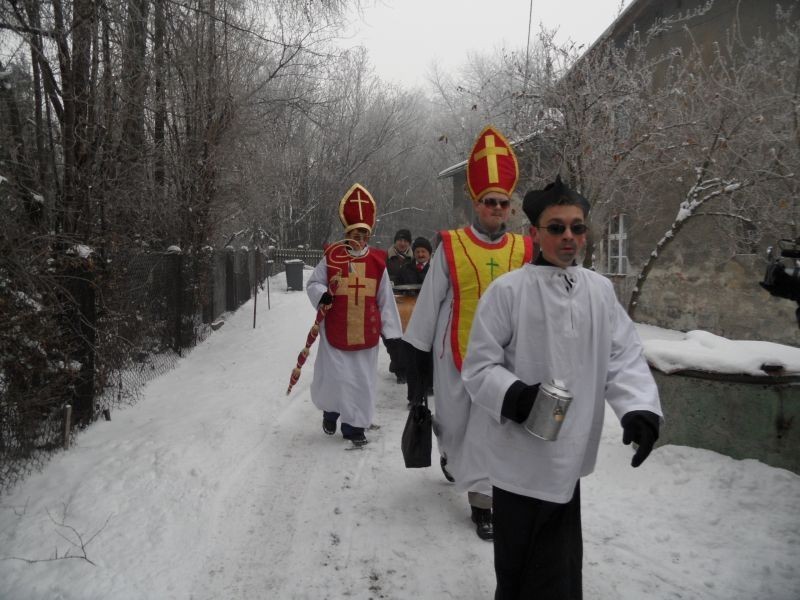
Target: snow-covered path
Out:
[218,485]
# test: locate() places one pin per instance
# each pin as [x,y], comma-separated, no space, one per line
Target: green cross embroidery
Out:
[491,264]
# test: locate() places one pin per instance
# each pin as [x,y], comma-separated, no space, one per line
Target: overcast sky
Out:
[405,36]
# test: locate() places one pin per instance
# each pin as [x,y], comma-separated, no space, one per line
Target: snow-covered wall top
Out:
[670,351]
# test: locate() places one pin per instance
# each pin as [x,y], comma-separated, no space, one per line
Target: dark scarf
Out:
[492,236]
[392,251]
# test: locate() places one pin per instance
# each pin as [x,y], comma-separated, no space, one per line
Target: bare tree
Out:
[728,138]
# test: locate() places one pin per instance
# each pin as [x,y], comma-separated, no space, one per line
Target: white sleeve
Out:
[422,326]
[484,371]
[391,327]
[317,283]
[629,383]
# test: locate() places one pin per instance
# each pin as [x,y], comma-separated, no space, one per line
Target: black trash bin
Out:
[294,274]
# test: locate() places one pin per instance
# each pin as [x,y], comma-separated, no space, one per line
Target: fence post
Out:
[230,278]
[177,266]
[84,321]
[269,275]
[255,283]
[67,425]
[243,276]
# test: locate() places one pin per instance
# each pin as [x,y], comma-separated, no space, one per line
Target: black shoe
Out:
[329,427]
[358,440]
[482,517]
[443,464]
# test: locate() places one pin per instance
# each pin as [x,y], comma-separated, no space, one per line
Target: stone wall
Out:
[744,417]
[720,296]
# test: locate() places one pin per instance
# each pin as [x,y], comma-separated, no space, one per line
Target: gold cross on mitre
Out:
[490,152]
[359,200]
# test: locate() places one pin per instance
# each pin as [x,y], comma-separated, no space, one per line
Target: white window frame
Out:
[617,245]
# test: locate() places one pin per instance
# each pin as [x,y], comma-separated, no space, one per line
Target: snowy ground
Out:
[217,485]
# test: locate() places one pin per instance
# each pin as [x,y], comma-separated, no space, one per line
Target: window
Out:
[747,237]
[617,246]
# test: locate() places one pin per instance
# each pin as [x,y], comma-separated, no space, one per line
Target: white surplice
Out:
[345,380]
[541,323]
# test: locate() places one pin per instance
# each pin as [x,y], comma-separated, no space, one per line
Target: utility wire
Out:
[528,46]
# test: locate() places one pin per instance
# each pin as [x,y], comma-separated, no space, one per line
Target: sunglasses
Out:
[559,228]
[494,202]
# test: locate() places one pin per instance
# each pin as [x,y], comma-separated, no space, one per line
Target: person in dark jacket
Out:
[414,273]
[398,256]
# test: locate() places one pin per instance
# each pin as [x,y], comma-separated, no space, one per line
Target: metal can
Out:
[549,410]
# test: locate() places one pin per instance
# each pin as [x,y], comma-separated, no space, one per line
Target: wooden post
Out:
[255,284]
[67,424]
[269,274]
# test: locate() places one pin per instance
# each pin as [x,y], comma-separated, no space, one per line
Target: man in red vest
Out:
[353,280]
[465,262]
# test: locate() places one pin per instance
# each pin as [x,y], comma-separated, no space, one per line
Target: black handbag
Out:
[416,441]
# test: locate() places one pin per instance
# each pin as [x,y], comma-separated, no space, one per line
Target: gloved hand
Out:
[418,371]
[326,299]
[640,427]
[518,401]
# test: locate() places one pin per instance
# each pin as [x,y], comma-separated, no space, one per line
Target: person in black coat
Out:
[398,256]
[414,273]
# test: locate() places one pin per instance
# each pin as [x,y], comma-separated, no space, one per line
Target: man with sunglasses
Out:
[466,261]
[553,321]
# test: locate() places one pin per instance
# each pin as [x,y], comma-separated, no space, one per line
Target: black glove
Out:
[518,401]
[419,376]
[640,427]
[326,299]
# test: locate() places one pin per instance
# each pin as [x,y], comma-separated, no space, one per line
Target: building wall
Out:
[749,17]
[754,417]
[699,282]
[721,297]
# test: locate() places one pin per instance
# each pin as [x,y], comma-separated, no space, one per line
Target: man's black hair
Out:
[554,193]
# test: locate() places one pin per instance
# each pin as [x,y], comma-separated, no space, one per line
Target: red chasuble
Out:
[354,320]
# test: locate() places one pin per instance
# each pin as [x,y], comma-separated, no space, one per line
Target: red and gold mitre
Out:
[492,165]
[357,209]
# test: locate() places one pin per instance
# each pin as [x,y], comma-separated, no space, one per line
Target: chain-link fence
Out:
[112,326]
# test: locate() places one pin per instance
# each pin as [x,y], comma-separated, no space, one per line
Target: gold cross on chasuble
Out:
[490,152]
[357,287]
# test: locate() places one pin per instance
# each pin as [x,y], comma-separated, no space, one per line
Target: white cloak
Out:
[535,326]
[345,380]
[429,329]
